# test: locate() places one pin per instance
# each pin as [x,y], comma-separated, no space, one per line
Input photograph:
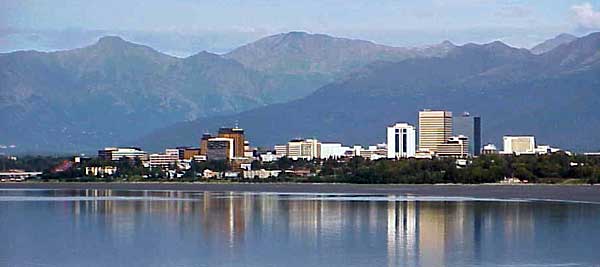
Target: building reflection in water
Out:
[410,233]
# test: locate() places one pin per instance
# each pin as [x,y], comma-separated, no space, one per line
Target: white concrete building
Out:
[333,150]
[100,171]
[401,141]
[519,145]
[261,174]
[281,151]
[269,157]
[303,149]
[117,153]
[546,149]
[169,158]
[489,149]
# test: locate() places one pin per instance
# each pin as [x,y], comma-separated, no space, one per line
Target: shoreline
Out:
[572,193]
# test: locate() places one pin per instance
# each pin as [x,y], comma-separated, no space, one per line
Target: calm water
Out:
[143,228]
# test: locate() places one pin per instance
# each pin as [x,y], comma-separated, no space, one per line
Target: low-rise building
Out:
[231,175]
[519,145]
[188,153]
[455,146]
[546,149]
[163,160]
[424,154]
[269,157]
[117,153]
[489,149]
[374,152]
[21,175]
[209,174]
[333,150]
[100,171]
[261,174]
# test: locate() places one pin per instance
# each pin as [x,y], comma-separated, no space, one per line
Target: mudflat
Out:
[583,193]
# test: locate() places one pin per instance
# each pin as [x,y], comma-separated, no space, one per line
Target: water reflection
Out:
[232,229]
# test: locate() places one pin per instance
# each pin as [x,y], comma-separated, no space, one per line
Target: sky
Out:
[183,27]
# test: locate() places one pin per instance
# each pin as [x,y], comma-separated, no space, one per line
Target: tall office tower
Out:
[469,126]
[220,148]
[237,135]
[435,127]
[401,141]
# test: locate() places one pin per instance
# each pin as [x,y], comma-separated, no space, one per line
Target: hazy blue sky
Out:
[231,22]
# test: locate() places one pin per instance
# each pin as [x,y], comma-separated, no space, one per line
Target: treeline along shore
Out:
[557,168]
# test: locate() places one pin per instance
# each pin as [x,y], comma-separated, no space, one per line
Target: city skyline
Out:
[343,133]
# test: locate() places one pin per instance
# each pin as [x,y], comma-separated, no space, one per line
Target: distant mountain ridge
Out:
[304,53]
[553,43]
[114,90]
[553,96]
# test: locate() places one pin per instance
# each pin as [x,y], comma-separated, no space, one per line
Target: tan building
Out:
[435,127]
[204,143]
[237,135]
[187,153]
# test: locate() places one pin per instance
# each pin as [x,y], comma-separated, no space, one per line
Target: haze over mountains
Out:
[554,96]
[293,85]
[114,91]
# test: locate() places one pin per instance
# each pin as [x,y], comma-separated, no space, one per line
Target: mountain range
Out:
[114,91]
[555,42]
[294,85]
[553,96]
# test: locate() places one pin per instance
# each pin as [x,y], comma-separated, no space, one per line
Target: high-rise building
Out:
[455,146]
[469,126]
[401,141]
[435,127]
[303,149]
[281,150]
[294,149]
[237,134]
[220,149]
[519,145]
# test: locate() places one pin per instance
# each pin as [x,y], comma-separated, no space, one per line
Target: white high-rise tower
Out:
[401,141]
